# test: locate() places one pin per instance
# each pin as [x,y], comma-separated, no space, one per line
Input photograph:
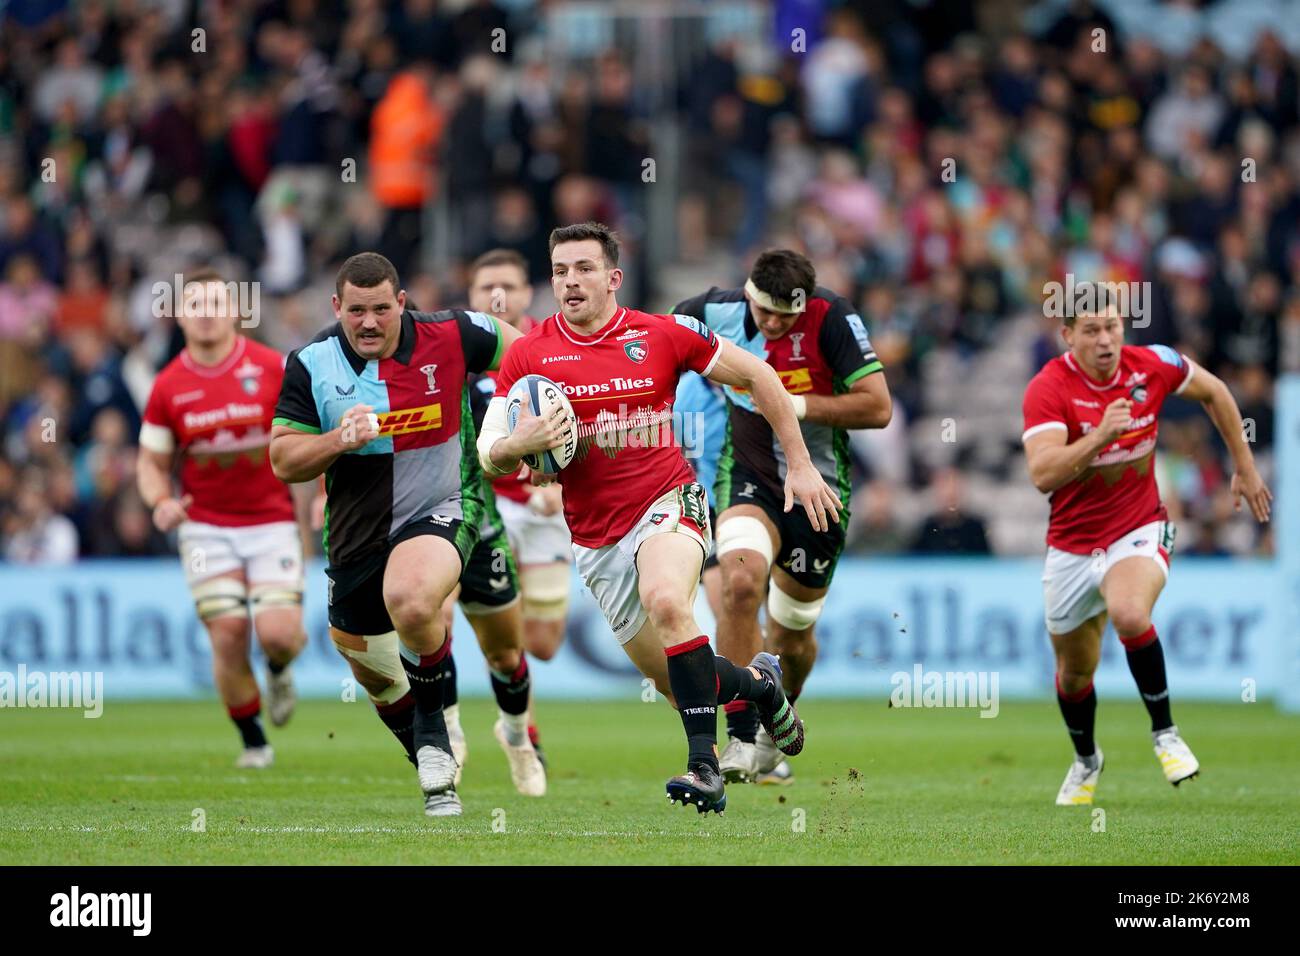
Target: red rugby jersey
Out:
[1117,491]
[622,382]
[219,418]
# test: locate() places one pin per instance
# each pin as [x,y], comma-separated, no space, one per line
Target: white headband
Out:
[765,301]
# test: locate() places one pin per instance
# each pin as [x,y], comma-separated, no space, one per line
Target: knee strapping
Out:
[744,533]
[266,597]
[381,658]
[792,614]
[546,591]
[220,597]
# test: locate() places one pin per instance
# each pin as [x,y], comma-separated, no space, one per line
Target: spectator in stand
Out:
[949,529]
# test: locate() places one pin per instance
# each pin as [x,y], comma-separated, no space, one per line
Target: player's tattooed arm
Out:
[1211,391]
[1053,463]
[299,456]
[740,369]
[866,404]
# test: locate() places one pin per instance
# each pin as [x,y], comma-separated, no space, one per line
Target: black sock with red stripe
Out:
[1080,712]
[450,697]
[739,683]
[695,686]
[399,717]
[511,690]
[1146,662]
[248,721]
[742,720]
[425,672]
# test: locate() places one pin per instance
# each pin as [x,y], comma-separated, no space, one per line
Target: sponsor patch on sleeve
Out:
[483,321]
[859,332]
[1167,355]
[696,326]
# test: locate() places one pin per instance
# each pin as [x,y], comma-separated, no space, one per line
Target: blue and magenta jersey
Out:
[424,462]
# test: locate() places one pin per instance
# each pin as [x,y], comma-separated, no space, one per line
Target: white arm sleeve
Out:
[494,429]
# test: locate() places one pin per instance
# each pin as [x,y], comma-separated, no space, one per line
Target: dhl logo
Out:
[796,380]
[406,420]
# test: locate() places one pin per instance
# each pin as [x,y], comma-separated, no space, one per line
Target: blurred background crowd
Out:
[939,160]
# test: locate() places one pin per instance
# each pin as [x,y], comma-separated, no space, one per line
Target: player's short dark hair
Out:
[1103,298]
[579,231]
[203,275]
[366,270]
[498,257]
[779,272]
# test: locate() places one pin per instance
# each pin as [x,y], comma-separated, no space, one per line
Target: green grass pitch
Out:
[874,785]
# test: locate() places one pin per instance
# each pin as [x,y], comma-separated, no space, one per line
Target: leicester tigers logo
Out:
[637,351]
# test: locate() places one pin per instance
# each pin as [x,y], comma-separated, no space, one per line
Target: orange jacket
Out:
[404,130]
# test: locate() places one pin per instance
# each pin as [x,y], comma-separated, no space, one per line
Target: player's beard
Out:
[589,311]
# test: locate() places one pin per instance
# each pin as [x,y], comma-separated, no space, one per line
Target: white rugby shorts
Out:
[610,571]
[1072,582]
[534,538]
[266,553]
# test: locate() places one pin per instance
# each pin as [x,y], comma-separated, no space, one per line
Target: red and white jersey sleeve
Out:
[1117,491]
[622,382]
[218,419]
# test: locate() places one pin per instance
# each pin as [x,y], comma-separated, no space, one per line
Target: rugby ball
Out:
[540,395]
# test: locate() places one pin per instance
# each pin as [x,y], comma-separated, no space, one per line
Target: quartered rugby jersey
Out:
[823,353]
[424,460]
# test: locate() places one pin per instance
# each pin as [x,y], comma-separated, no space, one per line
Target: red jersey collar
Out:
[577,338]
[1089,380]
[224,366]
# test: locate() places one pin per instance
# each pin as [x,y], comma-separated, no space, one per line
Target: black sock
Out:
[742,720]
[275,668]
[425,674]
[1146,662]
[450,697]
[695,685]
[1080,713]
[399,717]
[248,721]
[737,683]
[511,690]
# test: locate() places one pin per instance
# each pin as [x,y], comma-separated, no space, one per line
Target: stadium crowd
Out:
[940,163]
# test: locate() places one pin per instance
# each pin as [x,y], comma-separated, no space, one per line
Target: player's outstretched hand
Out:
[1116,419]
[358,427]
[806,483]
[170,512]
[1250,486]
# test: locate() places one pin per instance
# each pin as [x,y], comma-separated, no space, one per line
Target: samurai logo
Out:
[636,351]
[428,371]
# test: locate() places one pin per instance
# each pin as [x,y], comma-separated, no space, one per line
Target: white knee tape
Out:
[265,597]
[381,657]
[546,591]
[744,533]
[220,597]
[792,614]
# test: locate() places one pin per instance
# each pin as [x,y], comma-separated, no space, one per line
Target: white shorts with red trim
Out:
[1072,582]
[265,553]
[610,571]
[535,538]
